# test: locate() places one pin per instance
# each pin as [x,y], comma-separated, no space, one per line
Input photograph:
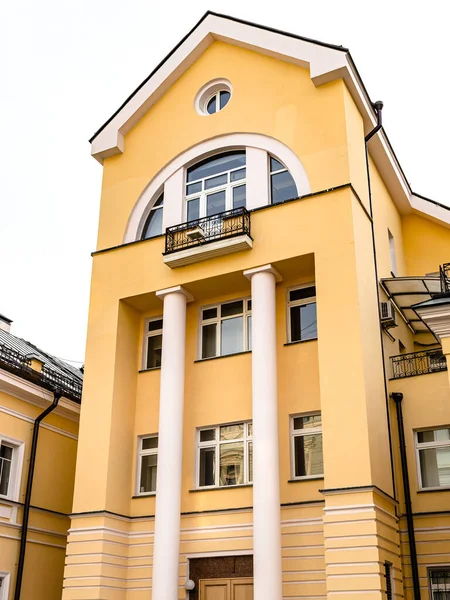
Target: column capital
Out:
[264,269]
[177,289]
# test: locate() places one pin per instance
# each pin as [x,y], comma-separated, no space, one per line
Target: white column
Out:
[166,549]
[266,474]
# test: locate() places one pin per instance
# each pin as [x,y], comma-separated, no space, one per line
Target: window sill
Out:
[431,490]
[300,342]
[223,487]
[150,369]
[302,479]
[145,495]
[200,360]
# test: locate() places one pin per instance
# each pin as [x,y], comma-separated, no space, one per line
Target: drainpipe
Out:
[378,106]
[26,508]
[398,397]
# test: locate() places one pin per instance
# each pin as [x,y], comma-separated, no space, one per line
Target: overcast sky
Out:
[67,66]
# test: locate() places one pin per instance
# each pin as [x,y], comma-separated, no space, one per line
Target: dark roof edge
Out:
[3,318]
[430,200]
[175,48]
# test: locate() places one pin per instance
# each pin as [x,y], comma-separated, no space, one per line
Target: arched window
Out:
[153,224]
[282,185]
[215,185]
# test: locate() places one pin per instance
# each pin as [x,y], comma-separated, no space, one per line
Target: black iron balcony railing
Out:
[418,363]
[224,225]
[16,362]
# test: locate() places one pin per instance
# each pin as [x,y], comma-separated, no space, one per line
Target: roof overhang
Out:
[326,63]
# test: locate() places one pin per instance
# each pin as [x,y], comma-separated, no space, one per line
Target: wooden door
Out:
[242,589]
[226,589]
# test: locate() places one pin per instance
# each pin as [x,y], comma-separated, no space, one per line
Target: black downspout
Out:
[26,508]
[378,106]
[398,397]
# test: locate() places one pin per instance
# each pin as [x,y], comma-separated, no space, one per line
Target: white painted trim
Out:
[199,152]
[35,529]
[18,415]
[207,91]
[18,451]
[30,541]
[177,289]
[263,269]
[6,580]
[207,251]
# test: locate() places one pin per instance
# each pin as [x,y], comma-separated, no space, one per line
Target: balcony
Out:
[418,363]
[208,237]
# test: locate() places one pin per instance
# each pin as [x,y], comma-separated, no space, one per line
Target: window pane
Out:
[209,313]
[159,202]
[232,308]
[207,466]
[5,469]
[249,333]
[307,422]
[6,451]
[216,181]
[232,432]
[237,175]
[232,336]
[224,97]
[425,436]
[155,325]
[211,108]
[216,164]
[302,293]
[193,209]
[283,187]
[250,461]
[154,351]
[193,188]
[239,195]
[149,443]
[148,473]
[295,324]
[231,464]
[442,435]
[435,467]
[303,322]
[153,226]
[209,333]
[308,455]
[208,435]
[275,165]
[215,203]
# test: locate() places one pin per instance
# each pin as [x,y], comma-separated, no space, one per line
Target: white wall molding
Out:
[22,417]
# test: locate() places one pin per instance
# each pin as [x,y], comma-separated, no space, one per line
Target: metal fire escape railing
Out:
[418,363]
[198,232]
[16,362]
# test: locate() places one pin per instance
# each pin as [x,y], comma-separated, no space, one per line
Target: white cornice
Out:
[33,394]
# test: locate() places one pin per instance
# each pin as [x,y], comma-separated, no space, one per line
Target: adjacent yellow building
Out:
[259,256]
[39,413]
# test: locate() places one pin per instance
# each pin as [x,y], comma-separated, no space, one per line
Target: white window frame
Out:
[216,443]
[302,433]
[139,454]
[303,302]
[216,94]
[148,334]
[432,569]
[5,578]
[392,253]
[270,172]
[227,187]
[425,446]
[18,448]
[218,320]
[151,213]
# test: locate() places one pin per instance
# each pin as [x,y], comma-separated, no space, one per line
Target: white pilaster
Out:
[266,474]
[166,549]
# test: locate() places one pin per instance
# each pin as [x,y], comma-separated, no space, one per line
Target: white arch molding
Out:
[172,177]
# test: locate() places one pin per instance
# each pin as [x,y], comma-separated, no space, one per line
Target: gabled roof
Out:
[326,63]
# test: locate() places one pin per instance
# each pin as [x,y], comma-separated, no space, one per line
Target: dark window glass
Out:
[308,455]
[153,226]
[208,435]
[149,443]
[216,181]
[209,313]
[211,108]
[155,325]
[388,576]
[302,293]
[207,466]
[6,453]
[283,187]
[232,308]
[307,421]
[148,473]
[237,175]
[275,165]
[303,322]
[216,164]
[209,333]
[215,203]
[224,97]
[232,336]
[193,188]
[239,196]
[193,209]
[154,351]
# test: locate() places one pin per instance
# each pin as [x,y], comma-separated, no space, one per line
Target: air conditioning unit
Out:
[195,234]
[388,316]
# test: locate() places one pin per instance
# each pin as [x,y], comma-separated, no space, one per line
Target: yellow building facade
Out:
[39,414]
[259,252]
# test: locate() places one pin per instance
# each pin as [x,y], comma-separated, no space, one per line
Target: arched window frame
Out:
[156,212]
[274,171]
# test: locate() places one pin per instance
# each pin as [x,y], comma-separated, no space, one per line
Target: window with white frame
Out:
[154,223]
[433,453]
[439,579]
[225,455]
[306,446]
[153,333]
[302,314]
[216,185]
[282,185]
[147,463]
[392,253]
[4,585]
[11,455]
[226,328]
